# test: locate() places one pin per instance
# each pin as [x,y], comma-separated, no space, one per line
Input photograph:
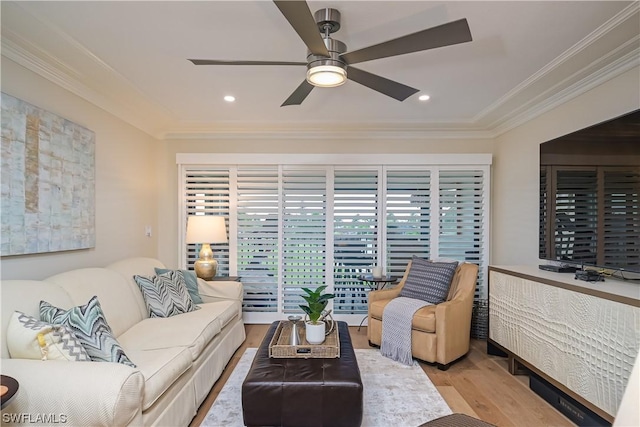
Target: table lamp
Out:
[206,229]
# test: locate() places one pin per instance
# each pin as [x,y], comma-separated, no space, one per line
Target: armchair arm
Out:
[453,329]
[390,292]
[384,294]
[217,291]
[74,393]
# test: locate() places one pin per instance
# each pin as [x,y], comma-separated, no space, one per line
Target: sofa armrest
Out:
[83,393]
[219,290]
[74,393]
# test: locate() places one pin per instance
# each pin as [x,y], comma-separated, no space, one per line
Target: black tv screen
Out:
[590,196]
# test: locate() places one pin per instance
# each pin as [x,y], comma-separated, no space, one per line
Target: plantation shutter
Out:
[355,236]
[543,232]
[576,215]
[257,222]
[408,218]
[292,226]
[304,199]
[462,220]
[207,193]
[621,213]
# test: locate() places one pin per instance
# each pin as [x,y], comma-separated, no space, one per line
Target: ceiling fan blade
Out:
[299,94]
[380,84]
[443,35]
[302,20]
[226,62]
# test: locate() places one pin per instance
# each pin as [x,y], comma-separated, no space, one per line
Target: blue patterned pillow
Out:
[166,294]
[90,327]
[191,280]
[429,281]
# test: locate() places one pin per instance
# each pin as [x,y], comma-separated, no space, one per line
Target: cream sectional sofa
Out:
[178,358]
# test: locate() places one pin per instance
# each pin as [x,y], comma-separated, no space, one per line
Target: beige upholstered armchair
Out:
[440,333]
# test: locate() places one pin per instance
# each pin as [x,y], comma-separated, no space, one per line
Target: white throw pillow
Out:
[30,338]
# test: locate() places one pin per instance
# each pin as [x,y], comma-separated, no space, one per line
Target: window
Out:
[294,226]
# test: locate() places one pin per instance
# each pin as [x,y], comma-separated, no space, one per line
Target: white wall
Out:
[168,216]
[515,197]
[126,181]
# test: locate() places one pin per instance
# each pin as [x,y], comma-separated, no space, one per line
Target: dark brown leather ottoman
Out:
[303,392]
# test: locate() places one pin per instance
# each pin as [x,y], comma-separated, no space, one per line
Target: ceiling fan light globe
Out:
[326,76]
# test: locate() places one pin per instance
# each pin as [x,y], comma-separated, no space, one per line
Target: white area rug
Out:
[394,394]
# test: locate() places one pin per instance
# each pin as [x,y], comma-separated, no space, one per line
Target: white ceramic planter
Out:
[315,333]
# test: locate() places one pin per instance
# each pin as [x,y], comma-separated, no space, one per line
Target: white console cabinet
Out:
[581,337]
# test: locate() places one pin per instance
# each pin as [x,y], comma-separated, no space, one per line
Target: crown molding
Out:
[619,66]
[373,132]
[67,78]
[570,53]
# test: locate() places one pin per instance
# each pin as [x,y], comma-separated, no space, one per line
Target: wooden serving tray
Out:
[279,346]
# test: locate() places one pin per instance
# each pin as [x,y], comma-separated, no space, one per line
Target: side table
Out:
[376,283]
[8,390]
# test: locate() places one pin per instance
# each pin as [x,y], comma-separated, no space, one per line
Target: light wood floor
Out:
[478,385]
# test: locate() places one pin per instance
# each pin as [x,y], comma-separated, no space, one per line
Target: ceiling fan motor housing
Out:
[335,48]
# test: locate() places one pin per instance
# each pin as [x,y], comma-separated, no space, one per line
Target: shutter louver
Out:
[462,218]
[207,191]
[576,215]
[622,218]
[258,217]
[408,218]
[304,234]
[542,231]
[355,233]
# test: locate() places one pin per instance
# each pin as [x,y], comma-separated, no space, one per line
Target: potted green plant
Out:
[316,303]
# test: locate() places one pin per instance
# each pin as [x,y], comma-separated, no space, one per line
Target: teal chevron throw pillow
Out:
[166,294]
[191,281]
[90,326]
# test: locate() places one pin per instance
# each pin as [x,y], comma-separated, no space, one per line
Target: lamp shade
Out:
[206,229]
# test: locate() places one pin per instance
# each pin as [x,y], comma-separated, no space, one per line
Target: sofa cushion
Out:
[160,368]
[90,326]
[30,338]
[423,320]
[428,281]
[225,311]
[166,294]
[191,280]
[193,330]
[25,296]
[116,295]
[129,267]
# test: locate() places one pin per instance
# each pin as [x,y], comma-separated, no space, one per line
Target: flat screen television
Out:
[590,196]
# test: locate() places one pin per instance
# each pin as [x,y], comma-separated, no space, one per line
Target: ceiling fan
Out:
[328,62]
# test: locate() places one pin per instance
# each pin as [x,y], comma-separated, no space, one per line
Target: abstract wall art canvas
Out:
[48,181]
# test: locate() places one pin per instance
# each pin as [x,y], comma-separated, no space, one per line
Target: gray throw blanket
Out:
[396,328]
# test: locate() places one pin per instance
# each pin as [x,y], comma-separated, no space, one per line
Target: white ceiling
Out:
[130,58]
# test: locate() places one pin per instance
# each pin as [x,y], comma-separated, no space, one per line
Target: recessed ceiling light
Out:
[229,98]
[424,97]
